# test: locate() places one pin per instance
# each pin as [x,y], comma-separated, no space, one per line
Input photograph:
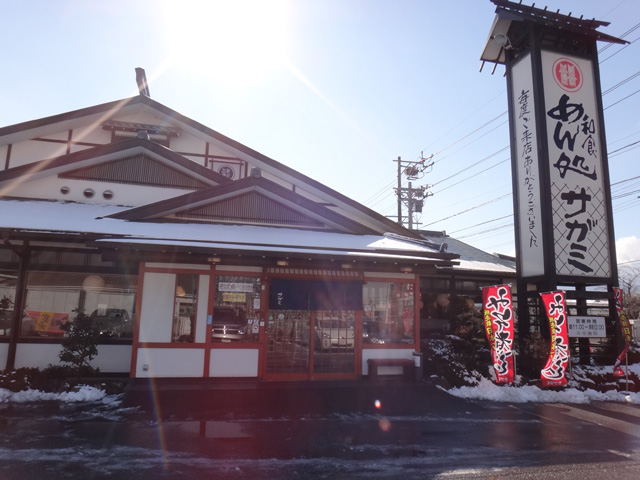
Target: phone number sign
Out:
[586,327]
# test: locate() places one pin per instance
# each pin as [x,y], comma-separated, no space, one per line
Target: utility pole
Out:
[412,197]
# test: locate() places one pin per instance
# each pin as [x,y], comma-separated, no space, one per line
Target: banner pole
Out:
[626,370]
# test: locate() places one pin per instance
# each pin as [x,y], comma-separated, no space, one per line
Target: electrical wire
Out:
[631,30]
[621,49]
[464,120]
[472,208]
[470,134]
[624,181]
[626,194]
[622,99]
[471,166]
[472,176]
[491,230]
[482,223]
[619,84]
[622,148]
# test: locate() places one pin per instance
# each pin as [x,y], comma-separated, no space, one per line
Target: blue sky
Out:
[336,89]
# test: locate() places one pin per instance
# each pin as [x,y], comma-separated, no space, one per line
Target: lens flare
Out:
[384,424]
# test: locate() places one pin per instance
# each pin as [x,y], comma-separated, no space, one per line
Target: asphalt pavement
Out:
[183,429]
[213,398]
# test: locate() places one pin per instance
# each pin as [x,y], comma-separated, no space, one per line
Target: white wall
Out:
[37,355]
[4,351]
[110,358]
[170,362]
[233,363]
[113,359]
[201,314]
[156,313]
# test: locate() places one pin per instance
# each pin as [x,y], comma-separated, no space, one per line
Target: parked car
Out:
[334,333]
[229,325]
[112,322]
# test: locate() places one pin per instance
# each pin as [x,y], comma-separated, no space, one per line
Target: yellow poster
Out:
[43,322]
[234,297]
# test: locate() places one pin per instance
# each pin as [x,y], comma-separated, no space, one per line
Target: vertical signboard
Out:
[526,169]
[576,167]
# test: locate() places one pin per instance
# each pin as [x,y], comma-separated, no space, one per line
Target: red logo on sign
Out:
[567,74]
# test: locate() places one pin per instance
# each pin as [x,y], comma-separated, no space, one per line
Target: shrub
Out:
[80,345]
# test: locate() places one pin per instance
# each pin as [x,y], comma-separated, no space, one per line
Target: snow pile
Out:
[460,375]
[487,390]
[83,394]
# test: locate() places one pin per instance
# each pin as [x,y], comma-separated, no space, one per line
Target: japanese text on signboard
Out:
[576,164]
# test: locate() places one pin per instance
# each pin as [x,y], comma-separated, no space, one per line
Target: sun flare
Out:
[233,43]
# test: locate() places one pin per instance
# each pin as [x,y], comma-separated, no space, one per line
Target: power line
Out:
[619,84]
[622,148]
[626,180]
[472,208]
[630,261]
[491,230]
[621,49]
[461,122]
[626,194]
[472,176]
[631,30]
[471,133]
[482,223]
[472,165]
[630,95]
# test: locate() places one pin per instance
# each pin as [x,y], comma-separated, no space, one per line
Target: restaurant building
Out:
[196,256]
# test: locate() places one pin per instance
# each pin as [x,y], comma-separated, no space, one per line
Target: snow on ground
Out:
[84,394]
[488,390]
[485,389]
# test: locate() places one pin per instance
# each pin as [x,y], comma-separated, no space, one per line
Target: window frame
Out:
[258,277]
[414,282]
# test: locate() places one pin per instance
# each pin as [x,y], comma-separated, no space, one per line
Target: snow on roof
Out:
[471,258]
[43,216]
[484,266]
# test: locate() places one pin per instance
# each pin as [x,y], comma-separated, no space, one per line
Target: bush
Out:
[18,380]
[79,346]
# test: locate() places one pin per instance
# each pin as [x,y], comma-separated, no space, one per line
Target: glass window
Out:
[236,309]
[466,285]
[7,297]
[185,307]
[8,256]
[54,298]
[435,283]
[388,313]
[444,313]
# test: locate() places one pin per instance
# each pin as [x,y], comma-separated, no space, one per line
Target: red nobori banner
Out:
[553,374]
[625,325]
[498,323]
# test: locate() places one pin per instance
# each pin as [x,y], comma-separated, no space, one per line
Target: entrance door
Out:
[334,345]
[288,343]
[303,344]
